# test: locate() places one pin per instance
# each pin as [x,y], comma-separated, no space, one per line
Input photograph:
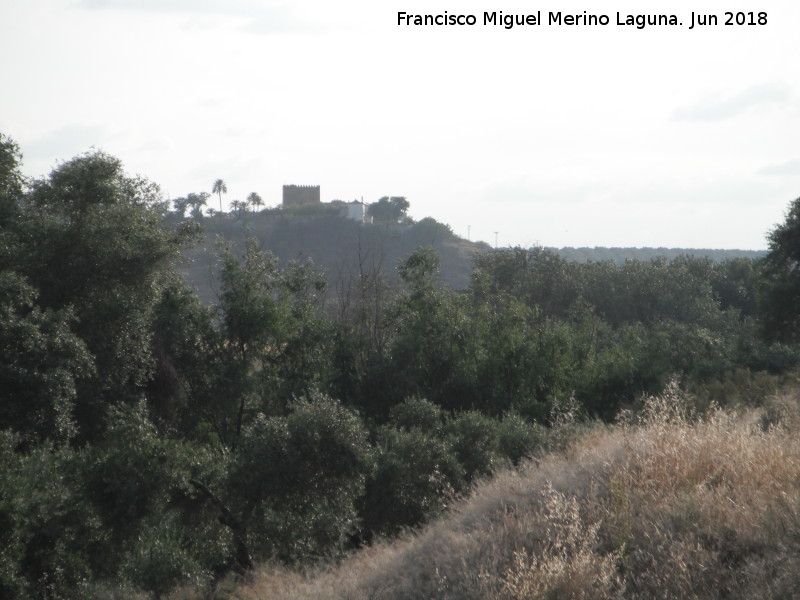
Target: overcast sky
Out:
[559,136]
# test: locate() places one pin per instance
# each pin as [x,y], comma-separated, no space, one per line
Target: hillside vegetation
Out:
[153,441]
[339,247]
[666,504]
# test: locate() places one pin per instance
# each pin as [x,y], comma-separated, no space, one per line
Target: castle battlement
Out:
[299,195]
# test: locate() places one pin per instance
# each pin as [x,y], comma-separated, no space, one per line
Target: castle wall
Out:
[298,195]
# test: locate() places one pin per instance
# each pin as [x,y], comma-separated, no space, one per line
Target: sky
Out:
[552,135]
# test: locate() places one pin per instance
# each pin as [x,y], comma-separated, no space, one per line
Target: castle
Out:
[301,195]
[298,195]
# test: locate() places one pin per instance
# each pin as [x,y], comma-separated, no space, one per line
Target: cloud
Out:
[717,108]
[791,167]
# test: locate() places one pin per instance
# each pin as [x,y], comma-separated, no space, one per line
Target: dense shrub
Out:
[296,479]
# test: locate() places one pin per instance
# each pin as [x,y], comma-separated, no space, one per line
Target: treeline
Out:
[619,255]
[149,440]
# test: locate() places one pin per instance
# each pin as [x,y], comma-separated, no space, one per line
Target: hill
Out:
[666,505]
[336,245]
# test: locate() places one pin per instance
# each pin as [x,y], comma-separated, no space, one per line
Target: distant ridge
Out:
[620,255]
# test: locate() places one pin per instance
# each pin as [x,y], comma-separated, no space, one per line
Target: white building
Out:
[355,210]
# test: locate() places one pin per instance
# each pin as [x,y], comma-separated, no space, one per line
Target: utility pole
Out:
[495,240]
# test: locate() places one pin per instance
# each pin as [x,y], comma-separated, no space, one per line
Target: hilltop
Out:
[336,245]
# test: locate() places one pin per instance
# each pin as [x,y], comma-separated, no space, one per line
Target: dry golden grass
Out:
[663,505]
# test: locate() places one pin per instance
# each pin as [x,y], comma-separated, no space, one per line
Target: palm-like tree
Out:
[219,188]
[254,200]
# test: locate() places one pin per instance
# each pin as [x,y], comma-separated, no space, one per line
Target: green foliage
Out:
[430,353]
[271,344]
[535,277]
[133,474]
[296,479]
[219,188]
[474,442]
[735,284]
[415,477]
[525,360]
[100,249]
[184,344]
[429,231]
[389,210]
[11,182]
[781,287]
[737,388]
[518,439]
[194,202]
[162,558]
[50,534]
[417,413]
[255,200]
[317,210]
[150,441]
[41,361]
[138,485]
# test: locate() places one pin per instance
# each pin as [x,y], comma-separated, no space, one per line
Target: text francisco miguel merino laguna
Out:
[640,21]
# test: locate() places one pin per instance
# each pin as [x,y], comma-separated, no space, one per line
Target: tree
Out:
[193,201]
[219,188]
[296,479]
[272,343]
[197,201]
[389,209]
[255,200]
[11,179]
[180,205]
[238,207]
[95,241]
[415,473]
[781,290]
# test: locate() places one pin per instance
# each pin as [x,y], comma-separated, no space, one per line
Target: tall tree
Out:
[781,294]
[11,179]
[98,247]
[219,189]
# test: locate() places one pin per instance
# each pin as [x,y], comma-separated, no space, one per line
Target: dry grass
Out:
[663,505]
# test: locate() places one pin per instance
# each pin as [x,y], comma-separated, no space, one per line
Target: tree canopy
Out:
[389,209]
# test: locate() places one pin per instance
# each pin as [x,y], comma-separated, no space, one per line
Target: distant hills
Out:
[337,246]
[620,255]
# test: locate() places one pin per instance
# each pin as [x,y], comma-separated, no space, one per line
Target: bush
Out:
[49,534]
[162,558]
[417,413]
[518,439]
[414,480]
[296,479]
[473,437]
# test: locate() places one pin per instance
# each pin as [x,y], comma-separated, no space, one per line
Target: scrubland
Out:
[663,504]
